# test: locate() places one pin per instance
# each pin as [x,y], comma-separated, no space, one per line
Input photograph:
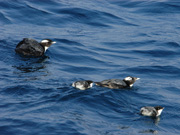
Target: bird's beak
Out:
[53,42]
[137,78]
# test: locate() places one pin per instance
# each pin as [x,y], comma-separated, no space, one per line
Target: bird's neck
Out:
[45,48]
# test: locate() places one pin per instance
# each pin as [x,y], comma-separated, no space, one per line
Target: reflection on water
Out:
[29,68]
[35,66]
[28,64]
[149,131]
[157,120]
[149,120]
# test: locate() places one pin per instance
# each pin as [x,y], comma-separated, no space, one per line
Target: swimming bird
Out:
[117,83]
[30,47]
[83,85]
[151,111]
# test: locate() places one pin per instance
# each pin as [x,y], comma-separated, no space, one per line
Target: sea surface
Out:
[96,40]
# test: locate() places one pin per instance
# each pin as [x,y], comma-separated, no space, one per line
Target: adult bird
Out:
[30,47]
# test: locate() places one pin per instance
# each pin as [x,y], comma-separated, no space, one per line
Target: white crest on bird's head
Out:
[47,43]
[128,78]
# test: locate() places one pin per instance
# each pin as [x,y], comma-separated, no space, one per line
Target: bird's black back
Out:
[30,47]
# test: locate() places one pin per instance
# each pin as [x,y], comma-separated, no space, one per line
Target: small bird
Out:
[117,83]
[83,85]
[30,47]
[151,111]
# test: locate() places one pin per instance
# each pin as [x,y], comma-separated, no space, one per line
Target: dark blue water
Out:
[96,40]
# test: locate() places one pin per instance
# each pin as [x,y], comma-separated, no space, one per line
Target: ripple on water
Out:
[156,70]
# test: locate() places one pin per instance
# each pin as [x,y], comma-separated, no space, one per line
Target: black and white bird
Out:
[83,85]
[30,47]
[151,111]
[117,83]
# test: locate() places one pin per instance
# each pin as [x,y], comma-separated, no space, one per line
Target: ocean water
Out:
[96,40]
